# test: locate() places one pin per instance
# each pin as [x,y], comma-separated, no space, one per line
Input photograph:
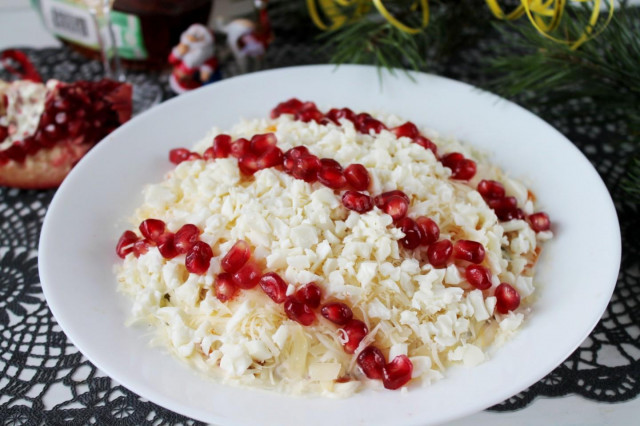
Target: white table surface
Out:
[21,26]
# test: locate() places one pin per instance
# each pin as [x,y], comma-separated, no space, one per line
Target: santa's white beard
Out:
[196,56]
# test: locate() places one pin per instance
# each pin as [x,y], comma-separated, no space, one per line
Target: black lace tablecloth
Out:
[45,380]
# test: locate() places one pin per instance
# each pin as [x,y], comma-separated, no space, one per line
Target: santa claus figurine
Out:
[193,60]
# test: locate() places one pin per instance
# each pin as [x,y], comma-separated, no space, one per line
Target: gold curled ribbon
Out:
[331,9]
[552,10]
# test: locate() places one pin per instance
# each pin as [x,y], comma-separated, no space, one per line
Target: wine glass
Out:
[144,95]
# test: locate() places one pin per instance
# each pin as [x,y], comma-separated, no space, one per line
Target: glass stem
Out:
[107,40]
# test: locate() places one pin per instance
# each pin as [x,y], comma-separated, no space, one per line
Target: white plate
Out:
[577,271]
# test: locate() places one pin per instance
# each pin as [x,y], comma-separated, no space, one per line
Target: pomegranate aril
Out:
[478,276]
[357,177]
[540,222]
[382,199]
[335,114]
[274,287]
[224,287]
[248,164]
[332,176]
[199,258]
[16,152]
[429,230]
[439,252]
[353,333]
[357,201]
[186,237]
[309,294]
[397,373]
[507,298]
[412,234]
[167,246]
[330,162]
[491,189]
[364,123]
[471,251]
[125,243]
[194,156]
[240,147]
[506,208]
[152,229]
[309,112]
[4,132]
[306,168]
[461,168]
[4,158]
[298,311]
[408,130]
[248,276]
[291,156]
[372,362]
[221,146]
[396,206]
[140,247]
[237,256]
[426,143]
[178,155]
[209,154]
[337,313]
[288,107]
[261,143]
[272,157]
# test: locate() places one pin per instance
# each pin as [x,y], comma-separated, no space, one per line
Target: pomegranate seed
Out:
[178,155]
[309,112]
[298,311]
[357,177]
[490,189]
[357,201]
[274,287]
[236,257]
[331,176]
[221,146]
[152,229]
[540,222]
[224,287]
[30,145]
[412,234]
[240,148]
[306,168]
[336,114]
[4,132]
[397,373]
[478,276]
[125,243]
[272,157]
[288,107]
[194,156]
[382,199]
[4,158]
[372,362]
[365,123]
[167,246]
[407,130]
[506,208]
[209,154]
[330,162]
[186,237]
[507,298]
[426,143]
[248,276]
[439,252]
[461,168]
[396,206]
[337,313]
[471,251]
[248,164]
[261,143]
[199,258]
[309,294]
[353,333]
[292,155]
[140,247]
[16,153]
[429,230]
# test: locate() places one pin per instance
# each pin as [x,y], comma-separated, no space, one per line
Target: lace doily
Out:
[36,356]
